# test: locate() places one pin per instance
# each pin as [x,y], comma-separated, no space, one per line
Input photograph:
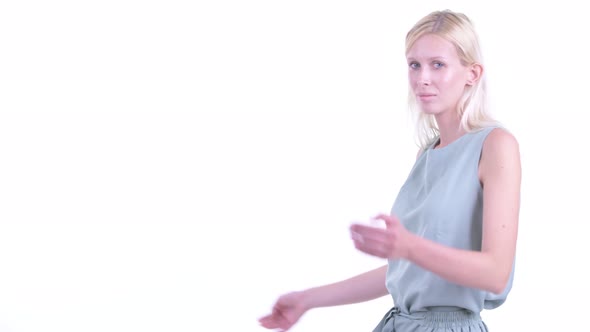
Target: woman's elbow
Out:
[499,283]
[498,288]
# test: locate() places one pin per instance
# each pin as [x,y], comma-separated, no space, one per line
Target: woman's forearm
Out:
[474,269]
[364,287]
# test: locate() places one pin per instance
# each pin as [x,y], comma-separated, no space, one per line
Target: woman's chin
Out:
[429,110]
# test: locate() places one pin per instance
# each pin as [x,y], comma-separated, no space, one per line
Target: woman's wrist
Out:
[307,299]
[413,242]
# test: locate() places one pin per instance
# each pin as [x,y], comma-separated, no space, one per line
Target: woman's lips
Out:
[426,97]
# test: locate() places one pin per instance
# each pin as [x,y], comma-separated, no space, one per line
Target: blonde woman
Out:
[450,239]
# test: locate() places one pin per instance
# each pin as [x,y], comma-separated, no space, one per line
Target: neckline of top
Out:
[453,143]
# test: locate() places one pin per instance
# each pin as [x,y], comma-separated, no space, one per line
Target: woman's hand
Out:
[286,312]
[391,242]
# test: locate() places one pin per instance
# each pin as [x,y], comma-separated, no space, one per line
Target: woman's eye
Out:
[438,64]
[414,65]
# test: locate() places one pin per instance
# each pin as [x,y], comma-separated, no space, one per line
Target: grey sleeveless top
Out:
[442,201]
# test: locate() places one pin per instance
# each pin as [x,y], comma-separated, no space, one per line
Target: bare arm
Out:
[364,287]
[488,269]
[289,308]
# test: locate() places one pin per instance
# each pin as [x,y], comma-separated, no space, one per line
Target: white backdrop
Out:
[177,165]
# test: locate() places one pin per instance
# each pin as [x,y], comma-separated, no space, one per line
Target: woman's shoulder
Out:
[500,151]
[500,138]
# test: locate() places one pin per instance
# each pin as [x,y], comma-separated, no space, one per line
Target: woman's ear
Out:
[474,74]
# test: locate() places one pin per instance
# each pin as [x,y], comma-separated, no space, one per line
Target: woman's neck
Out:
[449,128]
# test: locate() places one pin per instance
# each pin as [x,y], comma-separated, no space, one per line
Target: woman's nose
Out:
[424,78]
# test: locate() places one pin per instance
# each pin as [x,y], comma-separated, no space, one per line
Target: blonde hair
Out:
[473,108]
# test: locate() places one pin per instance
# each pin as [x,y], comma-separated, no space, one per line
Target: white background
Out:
[177,165]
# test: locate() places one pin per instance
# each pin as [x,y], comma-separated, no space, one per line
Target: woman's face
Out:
[436,74]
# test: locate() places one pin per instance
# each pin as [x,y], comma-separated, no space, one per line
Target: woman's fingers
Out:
[378,241]
[370,240]
[275,321]
[390,221]
[367,231]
